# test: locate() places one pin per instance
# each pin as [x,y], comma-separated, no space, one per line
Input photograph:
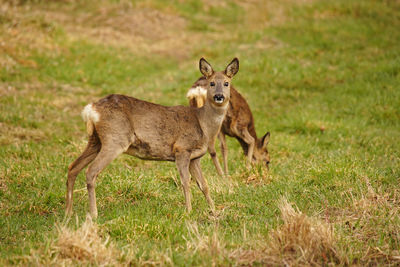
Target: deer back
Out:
[151,131]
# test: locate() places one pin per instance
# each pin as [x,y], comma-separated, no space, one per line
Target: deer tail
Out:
[90,116]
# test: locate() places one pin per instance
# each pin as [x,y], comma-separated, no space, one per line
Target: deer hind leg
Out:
[107,154]
[88,155]
[224,150]
[195,171]
[213,154]
[251,142]
[182,163]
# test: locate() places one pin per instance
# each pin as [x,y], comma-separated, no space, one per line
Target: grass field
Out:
[322,76]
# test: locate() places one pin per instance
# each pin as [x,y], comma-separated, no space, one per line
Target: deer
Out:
[118,124]
[238,123]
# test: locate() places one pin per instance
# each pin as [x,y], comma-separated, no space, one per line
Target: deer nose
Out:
[219,98]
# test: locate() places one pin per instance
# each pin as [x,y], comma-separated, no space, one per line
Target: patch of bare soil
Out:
[22,30]
[143,30]
[263,14]
[268,13]
[11,134]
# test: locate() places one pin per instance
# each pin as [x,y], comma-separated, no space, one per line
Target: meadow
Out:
[322,76]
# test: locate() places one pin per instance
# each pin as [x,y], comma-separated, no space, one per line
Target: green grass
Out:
[303,67]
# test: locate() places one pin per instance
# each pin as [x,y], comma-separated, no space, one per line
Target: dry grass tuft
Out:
[370,244]
[299,241]
[302,240]
[200,242]
[210,245]
[84,246]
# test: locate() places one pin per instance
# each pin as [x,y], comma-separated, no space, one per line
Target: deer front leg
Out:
[182,163]
[251,142]
[213,154]
[224,150]
[195,171]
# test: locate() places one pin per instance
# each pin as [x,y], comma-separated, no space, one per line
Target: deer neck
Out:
[211,118]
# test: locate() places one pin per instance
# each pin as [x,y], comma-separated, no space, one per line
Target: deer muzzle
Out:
[219,98]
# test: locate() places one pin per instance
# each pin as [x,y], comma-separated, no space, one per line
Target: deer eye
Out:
[212,83]
[226,83]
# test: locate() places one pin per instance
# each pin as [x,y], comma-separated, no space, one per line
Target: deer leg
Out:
[105,156]
[182,163]
[213,154]
[87,156]
[224,150]
[195,171]
[251,142]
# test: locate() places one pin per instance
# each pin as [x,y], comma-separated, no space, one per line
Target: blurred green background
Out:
[321,76]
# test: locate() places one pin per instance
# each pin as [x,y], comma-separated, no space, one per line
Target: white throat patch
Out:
[219,118]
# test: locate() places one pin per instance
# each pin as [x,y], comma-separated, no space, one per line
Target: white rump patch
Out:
[196,92]
[90,114]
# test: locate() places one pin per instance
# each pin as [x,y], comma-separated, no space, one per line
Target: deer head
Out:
[260,154]
[218,83]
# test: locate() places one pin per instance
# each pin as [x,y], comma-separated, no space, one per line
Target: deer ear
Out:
[205,68]
[265,140]
[232,68]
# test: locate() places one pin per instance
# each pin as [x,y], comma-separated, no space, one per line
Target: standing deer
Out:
[120,124]
[238,123]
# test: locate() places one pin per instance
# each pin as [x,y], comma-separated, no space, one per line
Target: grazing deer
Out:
[238,123]
[120,124]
